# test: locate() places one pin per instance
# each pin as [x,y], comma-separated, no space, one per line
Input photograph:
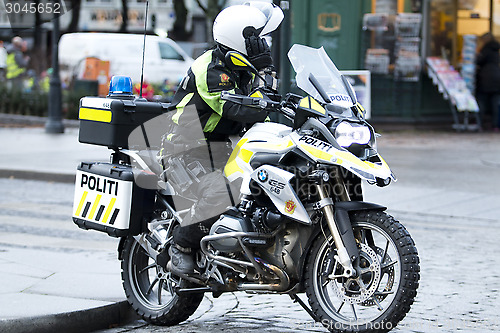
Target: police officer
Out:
[17,62]
[198,102]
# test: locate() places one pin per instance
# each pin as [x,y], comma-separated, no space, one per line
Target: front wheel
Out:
[150,289]
[381,293]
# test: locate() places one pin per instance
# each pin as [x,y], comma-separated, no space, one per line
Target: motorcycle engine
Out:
[229,223]
[262,220]
[266,220]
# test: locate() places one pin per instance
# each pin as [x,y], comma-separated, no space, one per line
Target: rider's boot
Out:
[181,260]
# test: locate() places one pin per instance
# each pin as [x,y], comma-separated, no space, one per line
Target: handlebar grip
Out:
[290,114]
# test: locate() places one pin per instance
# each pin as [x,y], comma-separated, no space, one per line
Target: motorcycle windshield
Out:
[306,61]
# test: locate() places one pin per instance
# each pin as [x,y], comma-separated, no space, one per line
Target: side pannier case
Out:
[109,199]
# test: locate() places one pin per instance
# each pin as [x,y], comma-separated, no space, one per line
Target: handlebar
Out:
[257,102]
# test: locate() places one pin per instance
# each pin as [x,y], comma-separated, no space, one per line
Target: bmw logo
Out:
[262,175]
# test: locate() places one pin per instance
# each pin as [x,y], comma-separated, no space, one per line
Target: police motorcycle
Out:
[301,228]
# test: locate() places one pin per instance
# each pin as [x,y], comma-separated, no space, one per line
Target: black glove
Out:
[258,52]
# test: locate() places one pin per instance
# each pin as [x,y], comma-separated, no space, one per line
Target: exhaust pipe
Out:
[282,285]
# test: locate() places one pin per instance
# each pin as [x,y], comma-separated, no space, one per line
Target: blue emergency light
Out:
[120,85]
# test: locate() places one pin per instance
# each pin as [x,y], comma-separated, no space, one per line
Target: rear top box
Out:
[109,122]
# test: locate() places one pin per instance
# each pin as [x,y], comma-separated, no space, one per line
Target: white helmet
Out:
[230,24]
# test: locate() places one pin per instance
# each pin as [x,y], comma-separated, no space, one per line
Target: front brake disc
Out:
[358,290]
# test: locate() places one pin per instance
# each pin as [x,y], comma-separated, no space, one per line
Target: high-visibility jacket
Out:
[198,98]
[13,69]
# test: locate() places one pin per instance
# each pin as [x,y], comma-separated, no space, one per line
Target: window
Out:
[442,28]
[168,52]
[496,18]
[473,17]
[451,20]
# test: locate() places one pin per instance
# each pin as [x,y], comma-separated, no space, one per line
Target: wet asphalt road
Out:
[459,291]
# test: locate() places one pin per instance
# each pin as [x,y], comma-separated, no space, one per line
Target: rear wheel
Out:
[150,289]
[385,285]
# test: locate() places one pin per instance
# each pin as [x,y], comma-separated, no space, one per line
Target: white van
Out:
[164,59]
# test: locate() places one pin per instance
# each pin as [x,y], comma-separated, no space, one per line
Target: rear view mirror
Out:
[350,90]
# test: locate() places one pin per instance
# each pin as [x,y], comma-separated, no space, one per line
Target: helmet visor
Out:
[274,15]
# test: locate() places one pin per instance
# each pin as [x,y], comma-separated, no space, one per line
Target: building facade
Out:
[393,39]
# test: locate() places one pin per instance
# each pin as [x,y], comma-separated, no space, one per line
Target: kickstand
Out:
[296,299]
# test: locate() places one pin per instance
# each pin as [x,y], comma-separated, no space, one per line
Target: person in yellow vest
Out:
[17,62]
[44,82]
[41,85]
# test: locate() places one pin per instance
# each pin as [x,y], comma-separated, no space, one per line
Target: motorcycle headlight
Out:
[348,133]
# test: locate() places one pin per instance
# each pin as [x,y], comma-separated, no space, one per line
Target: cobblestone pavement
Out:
[39,214]
[459,291]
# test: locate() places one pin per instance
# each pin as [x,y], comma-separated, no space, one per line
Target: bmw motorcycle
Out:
[300,227]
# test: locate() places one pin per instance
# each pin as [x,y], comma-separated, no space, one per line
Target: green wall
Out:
[343,42]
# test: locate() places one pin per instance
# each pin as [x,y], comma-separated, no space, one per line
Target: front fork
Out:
[339,224]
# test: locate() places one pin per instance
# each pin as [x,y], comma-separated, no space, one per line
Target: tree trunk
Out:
[124,25]
[38,61]
[75,16]
[211,10]
[178,31]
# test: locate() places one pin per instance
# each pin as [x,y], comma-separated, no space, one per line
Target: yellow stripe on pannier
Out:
[80,205]
[94,206]
[108,211]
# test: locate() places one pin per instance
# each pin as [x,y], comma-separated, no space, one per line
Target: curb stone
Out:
[491,163]
[22,120]
[103,317]
[37,175]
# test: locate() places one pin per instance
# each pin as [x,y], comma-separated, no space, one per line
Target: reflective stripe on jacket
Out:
[13,70]
[199,97]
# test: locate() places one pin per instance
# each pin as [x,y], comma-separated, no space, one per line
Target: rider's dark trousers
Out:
[212,195]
